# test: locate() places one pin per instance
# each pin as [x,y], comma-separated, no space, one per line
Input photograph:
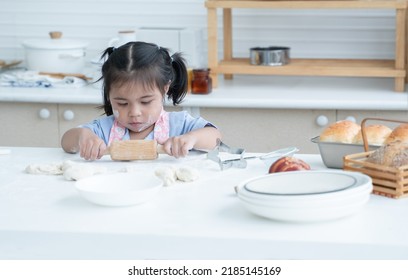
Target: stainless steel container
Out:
[333,153]
[270,56]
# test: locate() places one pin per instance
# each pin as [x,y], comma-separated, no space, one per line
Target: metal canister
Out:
[270,56]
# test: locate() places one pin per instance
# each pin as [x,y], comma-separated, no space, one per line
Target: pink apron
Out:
[160,132]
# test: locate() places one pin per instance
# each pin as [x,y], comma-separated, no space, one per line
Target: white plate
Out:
[119,189]
[265,185]
[311,203]
[301,183]
[312,195]
[306,214]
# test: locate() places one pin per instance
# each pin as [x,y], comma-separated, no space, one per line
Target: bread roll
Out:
[400,133]
[376,134]
[394,154]
[342,132]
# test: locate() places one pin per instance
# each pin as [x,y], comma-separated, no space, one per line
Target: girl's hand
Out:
[179,146]
[91,147]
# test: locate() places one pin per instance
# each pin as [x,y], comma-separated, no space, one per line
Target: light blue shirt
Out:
[180,123]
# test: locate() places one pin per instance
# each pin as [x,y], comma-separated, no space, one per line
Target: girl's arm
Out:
[206,137]
[201,139]
[84,141]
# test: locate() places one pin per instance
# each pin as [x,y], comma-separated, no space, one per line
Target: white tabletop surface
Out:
[252,92]
[43,217]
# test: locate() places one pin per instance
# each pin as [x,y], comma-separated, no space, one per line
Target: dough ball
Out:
[167,174]
[187,174]
[67,164]
[79,171]
[45,168]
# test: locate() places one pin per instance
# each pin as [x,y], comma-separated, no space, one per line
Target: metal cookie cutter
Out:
[239,161]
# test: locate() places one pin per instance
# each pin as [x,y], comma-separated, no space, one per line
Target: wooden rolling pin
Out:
[134,150]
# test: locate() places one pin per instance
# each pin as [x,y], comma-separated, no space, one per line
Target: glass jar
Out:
[201,82]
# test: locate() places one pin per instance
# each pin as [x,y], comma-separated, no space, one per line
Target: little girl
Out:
[136,78]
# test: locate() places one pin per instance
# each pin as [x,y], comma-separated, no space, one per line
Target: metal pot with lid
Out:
[55,54]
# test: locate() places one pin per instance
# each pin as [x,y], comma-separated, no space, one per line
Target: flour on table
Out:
[5,151]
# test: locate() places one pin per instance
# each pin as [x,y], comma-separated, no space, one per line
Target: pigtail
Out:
[107,107]
[178,87]
[107,52]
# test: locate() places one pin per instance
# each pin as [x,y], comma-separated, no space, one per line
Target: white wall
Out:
[309,33]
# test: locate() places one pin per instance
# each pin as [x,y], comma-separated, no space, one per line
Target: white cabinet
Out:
[41,124]
[360,115]
[265,130]
[256,130]
[72,115]
[29,124]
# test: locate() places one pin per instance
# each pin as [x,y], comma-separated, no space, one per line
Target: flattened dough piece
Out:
[44,168]
[79,171]
[187,174]
[167,174]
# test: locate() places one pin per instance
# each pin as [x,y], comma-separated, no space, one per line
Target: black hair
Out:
[147,64]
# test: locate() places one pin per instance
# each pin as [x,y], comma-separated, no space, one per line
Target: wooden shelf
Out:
[395,68]
[315,67]
[308,4]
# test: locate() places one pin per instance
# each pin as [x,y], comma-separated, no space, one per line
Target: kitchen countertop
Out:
[43,217]
[253,92]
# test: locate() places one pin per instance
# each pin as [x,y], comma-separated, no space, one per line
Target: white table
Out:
[43,217]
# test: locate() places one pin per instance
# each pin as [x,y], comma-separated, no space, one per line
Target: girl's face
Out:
[135,108]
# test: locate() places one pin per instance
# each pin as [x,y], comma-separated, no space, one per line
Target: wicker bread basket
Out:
[387,181]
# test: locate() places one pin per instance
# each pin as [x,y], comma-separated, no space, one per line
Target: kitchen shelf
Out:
[395,68]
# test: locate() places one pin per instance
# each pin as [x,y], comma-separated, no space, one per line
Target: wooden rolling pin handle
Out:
[107,152]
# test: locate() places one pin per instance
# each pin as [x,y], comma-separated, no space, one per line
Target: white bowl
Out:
[119,189]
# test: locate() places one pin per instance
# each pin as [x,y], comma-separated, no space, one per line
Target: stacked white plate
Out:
[306,196]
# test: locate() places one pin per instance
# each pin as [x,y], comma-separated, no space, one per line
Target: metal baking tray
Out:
[333,153]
